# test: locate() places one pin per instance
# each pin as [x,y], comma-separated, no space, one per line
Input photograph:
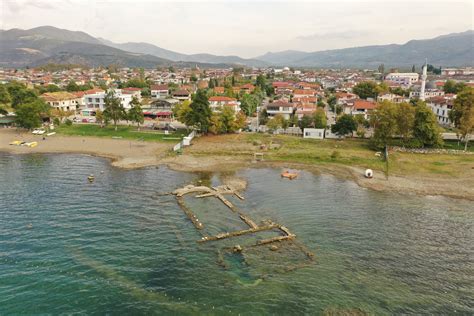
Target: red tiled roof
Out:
[221,99]
[159,87]
[364,105]
[132,89]
[281,84]
[181,92]
[304,91]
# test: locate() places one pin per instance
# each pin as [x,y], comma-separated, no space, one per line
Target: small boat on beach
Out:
[289,175]
[31,144]
[17,142]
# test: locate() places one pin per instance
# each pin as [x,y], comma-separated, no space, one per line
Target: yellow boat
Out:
[16,142]
[32,144]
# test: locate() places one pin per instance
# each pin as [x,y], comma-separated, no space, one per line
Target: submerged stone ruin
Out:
[265,244]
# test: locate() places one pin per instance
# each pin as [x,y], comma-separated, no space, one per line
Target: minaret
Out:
[423,81]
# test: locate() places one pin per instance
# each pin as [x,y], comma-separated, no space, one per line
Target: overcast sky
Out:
[246,28]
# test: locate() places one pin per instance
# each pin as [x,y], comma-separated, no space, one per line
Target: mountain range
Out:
[48,44]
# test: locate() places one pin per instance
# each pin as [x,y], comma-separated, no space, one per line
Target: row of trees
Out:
[415,126]
[114,111]
[197,114]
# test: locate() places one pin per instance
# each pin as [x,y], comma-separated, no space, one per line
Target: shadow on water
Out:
[134,289]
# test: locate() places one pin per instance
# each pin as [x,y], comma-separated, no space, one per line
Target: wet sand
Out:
[134,154]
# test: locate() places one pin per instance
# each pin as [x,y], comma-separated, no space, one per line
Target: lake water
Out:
[119,246]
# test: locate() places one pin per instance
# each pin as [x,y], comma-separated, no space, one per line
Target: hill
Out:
[455,49]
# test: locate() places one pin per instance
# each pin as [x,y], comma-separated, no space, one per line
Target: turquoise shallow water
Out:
[117,246]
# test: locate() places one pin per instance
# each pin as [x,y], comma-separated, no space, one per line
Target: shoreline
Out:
[127,154]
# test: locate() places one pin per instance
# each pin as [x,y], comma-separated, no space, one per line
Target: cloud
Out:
[16,6]
[345,35]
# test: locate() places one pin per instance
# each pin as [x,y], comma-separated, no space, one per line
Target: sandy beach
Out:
[137,154]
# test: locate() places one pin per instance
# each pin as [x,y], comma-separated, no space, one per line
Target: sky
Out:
[246,28]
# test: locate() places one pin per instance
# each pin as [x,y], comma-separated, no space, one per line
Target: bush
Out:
[335,154]
[56,121]
[68,122]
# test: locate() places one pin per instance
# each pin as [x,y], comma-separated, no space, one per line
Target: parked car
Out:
[84,120]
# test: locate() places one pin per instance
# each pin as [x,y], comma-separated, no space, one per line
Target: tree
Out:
[20,94]
[413,68]
[114,109]
[181,110]
[321,104]
[249,104]
[29,115]
[365,89]
[72,86]
[381,68]
[227,118]
[135,114]
[319,119]
[384,120]
[450,86]
[425,127]
[61,114]
[405,118]
[345,125]
[4,95]
[306,121]
[99,117]
[462,114]
[240,121]
[261,82]
[276,122]
[200,112]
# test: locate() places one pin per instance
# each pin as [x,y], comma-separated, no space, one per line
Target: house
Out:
[219,90]
[96,101]
[403,78]
[429,93]
[305,109]
[343,97]
[441,106]
[159,91]
[217,102]
[134,92]
[182,95]
[298,93]
[392,98]
[247,88]
[159,109]
[315,133]
[305,100]
[363,107]
[280,107]
[282,88]
[62,100]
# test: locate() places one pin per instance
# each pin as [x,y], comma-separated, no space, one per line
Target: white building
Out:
[62,100]
[280,107]
[403,78]
[441,107]
[392,98]
[316,133]
[429,93]
[217,102]
[95,101]
[159,91]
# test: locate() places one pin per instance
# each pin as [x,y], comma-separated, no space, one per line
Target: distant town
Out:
[273,100]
